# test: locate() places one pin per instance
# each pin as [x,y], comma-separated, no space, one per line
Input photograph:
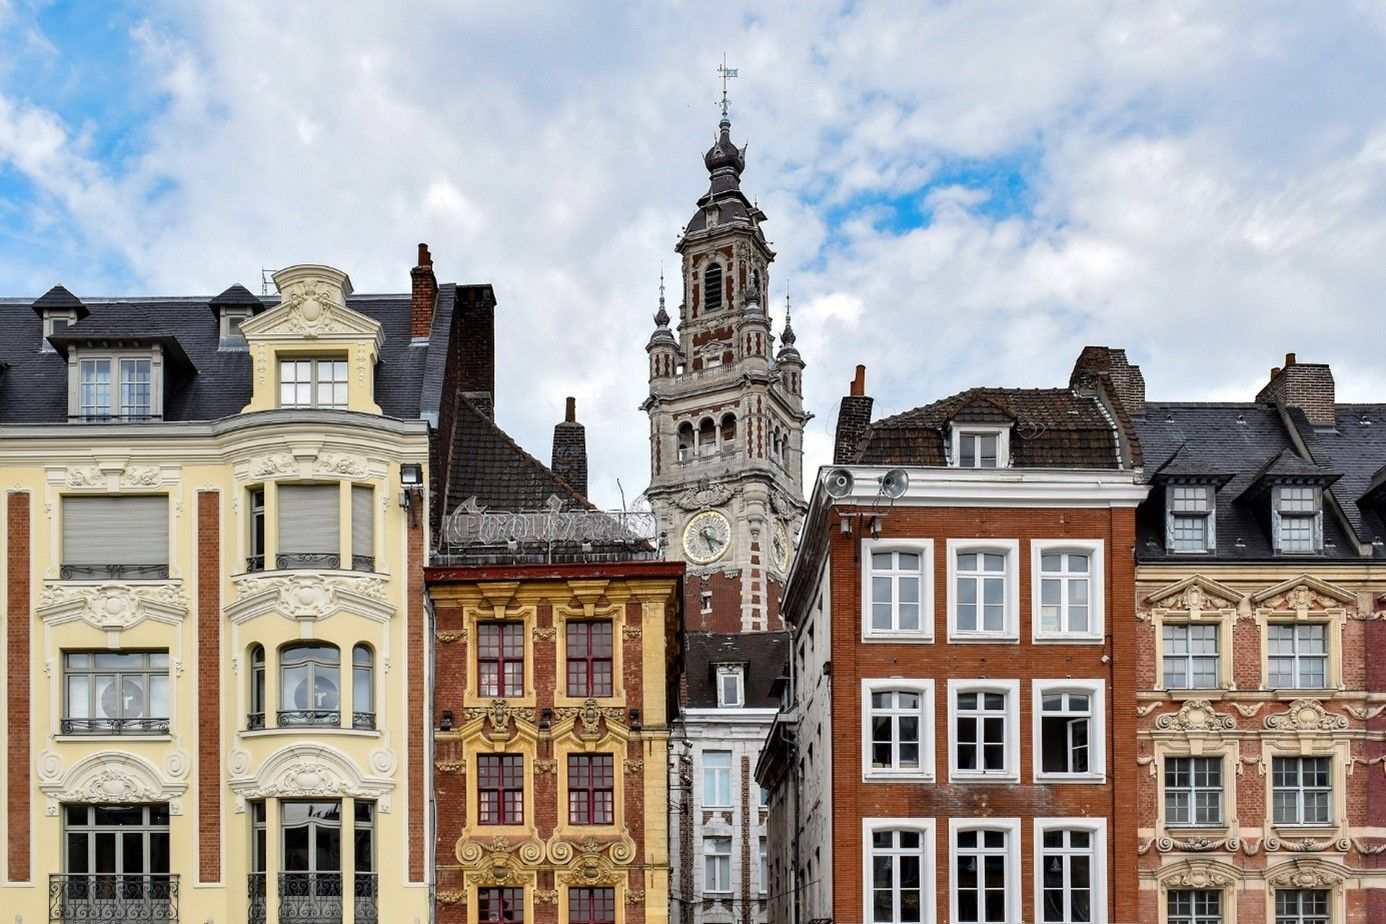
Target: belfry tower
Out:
[726,413]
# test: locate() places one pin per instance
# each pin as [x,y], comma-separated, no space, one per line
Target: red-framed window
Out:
[500,789]
[500,906]
[589,659]
[500,657]
[591,789]
[592,906]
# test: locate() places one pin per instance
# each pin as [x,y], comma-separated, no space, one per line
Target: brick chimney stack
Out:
[1307,386]
[570,450]
[1122,379]
[474,333]
[423,297]
[853,417]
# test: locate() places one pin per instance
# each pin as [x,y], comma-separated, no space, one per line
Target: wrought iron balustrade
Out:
[310,898]
[365,720]
[254,721]
[288,561]
[135,726]
[113,897]
[257,909]
[255,563]
[363,563]
[330,718]
[367,911]
[114,572]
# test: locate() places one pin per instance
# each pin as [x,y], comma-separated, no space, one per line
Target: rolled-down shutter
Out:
[113,530]
[362,521]
[309,519]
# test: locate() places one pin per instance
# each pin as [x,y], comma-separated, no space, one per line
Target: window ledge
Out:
[1196,830]
[1049,639]
[281,572]
[1304,830]
[962,776]
[897,637]
[897,776]
[978,638]
[309,730]
[1072,778]
[79,738]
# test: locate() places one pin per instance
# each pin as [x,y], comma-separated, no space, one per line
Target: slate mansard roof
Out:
[1049,427]
[205,382]
[762,654]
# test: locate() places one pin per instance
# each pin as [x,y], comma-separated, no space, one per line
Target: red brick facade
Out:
[17,706]
[209,686]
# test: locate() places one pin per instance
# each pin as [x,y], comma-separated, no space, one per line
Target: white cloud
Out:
[1207,183]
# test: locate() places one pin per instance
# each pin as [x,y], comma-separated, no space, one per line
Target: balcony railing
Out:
[114,572]
[363,720]
[255,563]
[255,889]
[310,898]
[254,721]
[286,561]
[363,563]
[143,726]
[113,897]
[367,912]
[327,717]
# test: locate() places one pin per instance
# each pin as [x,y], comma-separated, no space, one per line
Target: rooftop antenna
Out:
[726,73]
[264,281]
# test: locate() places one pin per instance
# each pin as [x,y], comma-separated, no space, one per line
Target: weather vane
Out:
[727,73]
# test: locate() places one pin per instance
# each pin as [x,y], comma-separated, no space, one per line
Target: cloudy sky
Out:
[959,193]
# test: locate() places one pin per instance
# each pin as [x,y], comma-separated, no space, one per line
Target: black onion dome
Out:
[723,153]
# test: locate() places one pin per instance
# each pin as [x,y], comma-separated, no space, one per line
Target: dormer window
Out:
[55,322]
[730,685]
[313,383]
[231,321]
[975,447]
[1189,518]
[121,388]
[1297,519]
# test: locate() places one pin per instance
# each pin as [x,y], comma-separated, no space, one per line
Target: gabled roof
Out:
[1285,468]
[491,467]
[764,656]
[236,296]
[59,299]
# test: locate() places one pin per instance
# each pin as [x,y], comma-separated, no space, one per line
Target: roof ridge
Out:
[525,454]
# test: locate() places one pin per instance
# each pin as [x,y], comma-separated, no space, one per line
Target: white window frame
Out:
[716,791]
[1011,690]
[709,857]
[1012,828]
[49,316]
[1097,827]
[1210,536]
[736,672]
[1003,445]
[1010,550]
[1300,791]
[928,879]
[1226,793]
[227,340]
[925,689]
[1094,549]
[1315,519]
[763,867]
[315,362]
[1298,656]
[117,411]
[924,548]
[1096,691]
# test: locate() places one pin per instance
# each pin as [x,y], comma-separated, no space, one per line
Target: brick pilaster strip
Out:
[209,686]
[19,699]
[419,757]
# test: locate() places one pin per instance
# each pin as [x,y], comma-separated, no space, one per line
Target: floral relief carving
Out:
[452,898]
[635,898]
[310,771]
[310,595]
[459,636]
[545,635]
[635,766]
[1196,715]
[1366,712]
[112,777]
[113,606]
[86,476]
[1306,715]
[341,463]
[497,718]
[543,765]
[632,633]
[1143,711]
[588,718]
[1247,709]
[450,766]
[276,463]
[1196,595]
[546,897]
[141,475]
[703,496]
[1300,875]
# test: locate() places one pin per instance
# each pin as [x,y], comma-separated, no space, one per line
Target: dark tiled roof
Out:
[494,469]
[59,298]
[1250,443]
[764,654]
[237,296]
[34,386]
[1050,427]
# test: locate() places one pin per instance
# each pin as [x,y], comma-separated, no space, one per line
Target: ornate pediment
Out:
[309,771]
[589,722]
[112,606]
[114,777]
[1306,715]
[1306,874]
[1304,596]
[1197,873]
[1194,595]
[1196,715]
[310,595]
[501,721]
[312,307]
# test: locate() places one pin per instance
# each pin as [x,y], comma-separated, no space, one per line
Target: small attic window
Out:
[981,447]
[1190,518]
[1297,519]
[55,322]
[231,321]
[730,685]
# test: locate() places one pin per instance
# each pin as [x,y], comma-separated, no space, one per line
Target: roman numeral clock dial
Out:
[707,537]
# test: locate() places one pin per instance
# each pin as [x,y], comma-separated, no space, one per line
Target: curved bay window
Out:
[362,687]
[115,693]
[255,718]
[309,684]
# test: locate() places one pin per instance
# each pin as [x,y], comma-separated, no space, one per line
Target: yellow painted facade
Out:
[236,738]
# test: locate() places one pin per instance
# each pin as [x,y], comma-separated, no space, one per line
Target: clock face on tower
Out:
[707,537]
[779,545]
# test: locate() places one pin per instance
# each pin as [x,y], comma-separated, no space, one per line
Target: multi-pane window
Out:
[979,450]
[980,732]
[980,588]
[1191,660]
[255,561]
[896,720]
[362,688]
[717,787]
[897,877]
[115,692]
[1297,526]
[1067,861]
[1193,791]
[1194,906]
[94,389]
[1066,593]
[500,906]
[135,395]
[1066,732]
[730,685]
[1301,906]
[589,658]
[500,657]
[591,789]
[256,716]
[1298,656]
[592,906]
[895,582]
[717,864]
[114,853]
[132,397]
[310,684]
[1189,522]
[982,859]
[313,383]
[311,881]
[1302,790]
[500,787]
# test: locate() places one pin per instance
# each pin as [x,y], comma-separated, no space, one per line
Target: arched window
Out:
[707,437]
[310,684]
[685,441]
[728,429]
[256,717]
[362,687]
[712,286]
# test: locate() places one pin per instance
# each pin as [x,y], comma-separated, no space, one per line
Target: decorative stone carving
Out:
[112,606]
[458,636]
[632,633]
[1197,874]
[1366,712]
[1308,844]
[1306,715]
[1304,596]
[49,766]
[1300,874]
[306,771]
[310,595]
[1143,711]
[635,898]
[1195,595]
[383,761]
[588,717]
[635,766]
[341,463]
[545,635]
[238,763]
[276,463]
[449,766]
[498,851]
[176,765]
[85,476]
[453,898]
[1247,709]
[112,777]
[141,475]
[1196,715]
[701,496]
[497,718]
[543,765]
[546,897]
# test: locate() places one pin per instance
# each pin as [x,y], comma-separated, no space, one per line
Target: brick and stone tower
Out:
[726,414]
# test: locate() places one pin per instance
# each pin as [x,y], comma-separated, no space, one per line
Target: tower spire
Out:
[726,73]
